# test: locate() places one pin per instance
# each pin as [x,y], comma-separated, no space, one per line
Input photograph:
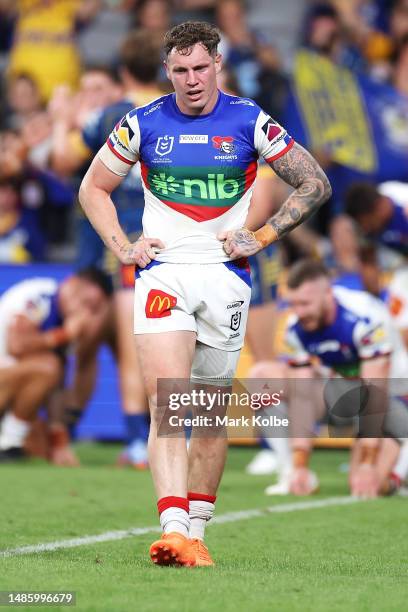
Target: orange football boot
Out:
[202,556]
[173,549]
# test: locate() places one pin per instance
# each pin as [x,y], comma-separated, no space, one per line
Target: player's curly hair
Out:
[185,35]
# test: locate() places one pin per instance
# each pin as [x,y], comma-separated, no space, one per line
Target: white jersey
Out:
[36,299]
[198,171]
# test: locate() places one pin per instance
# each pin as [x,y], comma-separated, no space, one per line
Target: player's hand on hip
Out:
[140,252]
[239,243]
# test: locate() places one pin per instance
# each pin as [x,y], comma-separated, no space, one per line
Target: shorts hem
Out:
[218,345]
[148,330]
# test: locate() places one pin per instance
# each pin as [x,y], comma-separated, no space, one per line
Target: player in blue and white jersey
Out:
[39,318]
[381,213]
[345,335]
[198,149]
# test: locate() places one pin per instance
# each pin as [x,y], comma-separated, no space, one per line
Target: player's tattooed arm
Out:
[312,189]
[140,252]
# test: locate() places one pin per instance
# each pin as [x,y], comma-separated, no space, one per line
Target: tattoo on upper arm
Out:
[312,188]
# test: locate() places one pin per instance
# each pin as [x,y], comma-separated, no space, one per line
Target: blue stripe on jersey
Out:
[149,265]
[237,267]
[54,318]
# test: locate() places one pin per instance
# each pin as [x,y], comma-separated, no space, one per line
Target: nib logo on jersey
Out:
[206,194]
[225,145]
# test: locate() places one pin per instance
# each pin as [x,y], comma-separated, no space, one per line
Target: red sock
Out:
[171,501]
[173,513]
[201,497]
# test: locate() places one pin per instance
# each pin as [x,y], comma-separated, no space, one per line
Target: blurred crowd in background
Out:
[334,73]
[60,65]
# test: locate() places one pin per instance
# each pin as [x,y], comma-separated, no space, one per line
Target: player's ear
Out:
[166,67]
[218,63]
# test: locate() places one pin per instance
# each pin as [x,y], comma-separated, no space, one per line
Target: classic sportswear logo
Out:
[159,304]
[245,102]
[193,139]
[153,108]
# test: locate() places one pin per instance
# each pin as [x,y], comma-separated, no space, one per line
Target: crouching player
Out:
[39,318]
[346,338]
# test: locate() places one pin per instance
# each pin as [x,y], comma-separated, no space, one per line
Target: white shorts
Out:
[209,299]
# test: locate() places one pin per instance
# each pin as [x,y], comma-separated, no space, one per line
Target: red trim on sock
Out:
[396,479]
[201,497]
[172,502]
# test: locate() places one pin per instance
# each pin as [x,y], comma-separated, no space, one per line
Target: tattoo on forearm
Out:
[312,188]
[122,247]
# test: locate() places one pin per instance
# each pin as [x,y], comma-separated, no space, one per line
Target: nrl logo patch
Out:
[164,145]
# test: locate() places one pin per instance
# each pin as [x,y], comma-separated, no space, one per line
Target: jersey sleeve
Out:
[121,150]
[271,139]
[295,353]
[372,336]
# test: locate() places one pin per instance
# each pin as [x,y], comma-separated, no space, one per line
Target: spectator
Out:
[154,15]
[21,239]
[100,37]
[70,113]
[399,21]
[44,44]
[46,198]
[400,71]
[255,65]
[195,10]
[24,100]
[279,24]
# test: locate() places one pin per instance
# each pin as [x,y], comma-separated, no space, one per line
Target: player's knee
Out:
[268,369]
[214,366]
[49,366]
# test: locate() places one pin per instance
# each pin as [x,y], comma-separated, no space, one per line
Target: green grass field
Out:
[338,557]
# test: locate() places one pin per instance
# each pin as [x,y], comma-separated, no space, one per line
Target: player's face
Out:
[77,294]
[194,78]
[311,303]
[98,90]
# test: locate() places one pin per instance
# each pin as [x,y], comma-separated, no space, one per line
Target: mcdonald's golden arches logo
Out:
[159,304]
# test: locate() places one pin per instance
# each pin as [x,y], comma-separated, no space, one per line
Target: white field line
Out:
[229,517]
